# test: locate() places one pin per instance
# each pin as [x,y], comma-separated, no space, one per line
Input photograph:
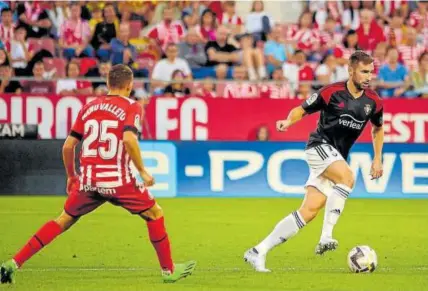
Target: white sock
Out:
[252,74]
[262,72]
[333,209]
[284,230]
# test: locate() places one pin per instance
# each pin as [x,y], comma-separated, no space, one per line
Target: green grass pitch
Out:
[109,249]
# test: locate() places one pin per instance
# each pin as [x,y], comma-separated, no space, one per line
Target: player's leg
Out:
[340,174]
[138,200]
[286,228]
[77,204]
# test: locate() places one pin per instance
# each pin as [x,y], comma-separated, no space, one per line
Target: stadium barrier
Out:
[222,169]
[218,118]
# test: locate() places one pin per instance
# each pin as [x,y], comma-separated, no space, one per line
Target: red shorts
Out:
[130,196]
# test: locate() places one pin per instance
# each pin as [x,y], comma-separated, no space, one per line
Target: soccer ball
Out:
[362,259]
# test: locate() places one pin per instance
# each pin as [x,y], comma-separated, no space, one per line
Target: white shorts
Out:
[318,159]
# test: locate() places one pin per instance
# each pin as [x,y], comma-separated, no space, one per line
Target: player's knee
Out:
[308,213]
[153,213]
[347,178]
[65,221]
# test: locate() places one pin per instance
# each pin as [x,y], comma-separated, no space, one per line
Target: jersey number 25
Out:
[99,131]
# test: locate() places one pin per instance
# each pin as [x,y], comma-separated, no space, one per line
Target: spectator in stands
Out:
[420,77]
[379,56]
[348,47]
[386,9]
[223,72]
[162,72]
[178,88]
[242,88]
[393,76]
[221,51]
[304,91]
[396,31]
[174,10]
[208,25]
[58,15]
[276,49]
[100,87]
[193,50]
[258,22]
[167,31]
[329,71]
[71,86]
[280,89]
[105,31]
[4,58]
[304,36]
[34,18]
[122,52]
[134,10]
[297,69]
[419,18]
[229,18]
[38,85]
[329,36]
[323,9]
[75,35]
[263,133]
[7,27]
[195,8]
[6,85]
[208,89]
[96,17]
[411,50]
[252,58]
[351,16]
[369,32]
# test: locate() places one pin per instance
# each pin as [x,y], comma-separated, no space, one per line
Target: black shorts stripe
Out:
[320,153]
[76,135]
[158,241]
[39,240]
[130,128]
[322,150]
[298,221]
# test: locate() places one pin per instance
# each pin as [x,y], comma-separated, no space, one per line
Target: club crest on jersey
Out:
[367,108]
[312,99]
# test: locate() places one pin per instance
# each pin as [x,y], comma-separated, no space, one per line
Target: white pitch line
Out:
[110,269]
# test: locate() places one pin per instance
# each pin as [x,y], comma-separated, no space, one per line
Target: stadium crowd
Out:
[60,45]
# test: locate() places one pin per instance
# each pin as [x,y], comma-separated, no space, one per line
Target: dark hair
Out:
[119,76]
[360,56]
[176,72]
[425,53]
[6,9]
[345,39]
[206,11]
[390,48]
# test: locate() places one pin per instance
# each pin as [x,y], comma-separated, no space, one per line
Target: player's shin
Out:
[333,209]
[46,234]
[160,241]
[283,231]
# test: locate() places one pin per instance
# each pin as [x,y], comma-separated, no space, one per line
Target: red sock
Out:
[43,236]
[160,241]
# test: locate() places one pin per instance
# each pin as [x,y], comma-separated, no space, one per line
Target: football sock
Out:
[160,241]
[43,237]
[284,230]
[333,209]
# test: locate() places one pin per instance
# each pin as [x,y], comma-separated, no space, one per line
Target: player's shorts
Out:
[318,159]
[82,200]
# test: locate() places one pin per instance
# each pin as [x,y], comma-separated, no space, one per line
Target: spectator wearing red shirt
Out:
[208,89]
[168,30]
[229,18]
[207,26]
[298,70]
[75,35]
[279,89]
[6,27]
[369,32]
[419,18]
[71,86]
[411,50]
[303,35]
[241,89]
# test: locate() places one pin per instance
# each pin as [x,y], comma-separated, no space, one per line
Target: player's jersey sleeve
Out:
[133,118]
[77,129]
[314,103]
[377,118]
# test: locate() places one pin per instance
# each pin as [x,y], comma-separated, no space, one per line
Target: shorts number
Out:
[333,152]
[106,152]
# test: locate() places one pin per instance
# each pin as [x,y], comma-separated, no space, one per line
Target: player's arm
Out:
[378,138]
[68,155]
[313,104]
[130,141]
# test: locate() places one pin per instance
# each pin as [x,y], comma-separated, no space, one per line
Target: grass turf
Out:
[109,249]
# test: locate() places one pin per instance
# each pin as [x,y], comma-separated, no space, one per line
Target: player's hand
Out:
[377,169]
[282,125]
[147,178]
[70,182]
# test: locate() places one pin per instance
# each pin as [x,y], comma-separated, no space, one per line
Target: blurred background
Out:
[210,75]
